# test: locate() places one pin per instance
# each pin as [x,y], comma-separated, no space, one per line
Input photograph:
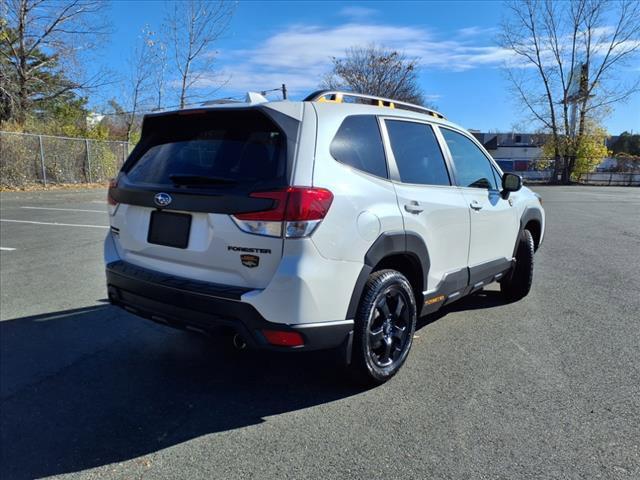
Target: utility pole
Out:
[284,91]
[577,92]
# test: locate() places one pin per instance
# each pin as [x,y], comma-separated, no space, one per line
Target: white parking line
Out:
[7,249]
[53,223]
[64,209]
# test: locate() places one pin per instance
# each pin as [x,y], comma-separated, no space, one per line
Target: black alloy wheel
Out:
[384,327]
[389,326]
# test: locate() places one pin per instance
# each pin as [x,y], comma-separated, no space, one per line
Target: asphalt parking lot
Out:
[548,387]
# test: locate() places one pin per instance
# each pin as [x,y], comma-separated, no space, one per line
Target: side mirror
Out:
[511,183]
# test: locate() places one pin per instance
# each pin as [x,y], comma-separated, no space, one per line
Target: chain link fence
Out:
[28,159]
[610,178]
[608,173]
[622,179]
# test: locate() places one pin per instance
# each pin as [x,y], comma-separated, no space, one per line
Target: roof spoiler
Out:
[251,98]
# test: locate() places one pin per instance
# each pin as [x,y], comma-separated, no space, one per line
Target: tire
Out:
[518,284]
[384,326]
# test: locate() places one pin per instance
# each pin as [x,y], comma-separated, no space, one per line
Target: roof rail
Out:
[337,96]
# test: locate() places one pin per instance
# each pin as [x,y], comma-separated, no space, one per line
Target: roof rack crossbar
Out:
[338,96]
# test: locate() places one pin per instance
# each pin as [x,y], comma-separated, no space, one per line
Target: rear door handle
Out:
[475,205]
[413,207]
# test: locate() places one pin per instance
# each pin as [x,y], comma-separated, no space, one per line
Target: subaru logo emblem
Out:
[162,199]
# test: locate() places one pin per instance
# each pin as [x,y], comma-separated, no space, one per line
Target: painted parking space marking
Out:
[53,223]
[64,209]
[7,249]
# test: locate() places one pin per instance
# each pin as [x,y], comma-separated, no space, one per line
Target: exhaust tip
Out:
[239,342]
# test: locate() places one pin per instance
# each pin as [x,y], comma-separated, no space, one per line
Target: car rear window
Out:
[230,148]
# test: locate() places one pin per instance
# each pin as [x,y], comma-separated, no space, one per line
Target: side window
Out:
[497,176]
[472,166]
[358,144]
[417,153]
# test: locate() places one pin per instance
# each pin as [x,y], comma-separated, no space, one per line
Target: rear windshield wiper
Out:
[200,180]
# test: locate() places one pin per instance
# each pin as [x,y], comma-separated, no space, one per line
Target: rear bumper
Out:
[184,303]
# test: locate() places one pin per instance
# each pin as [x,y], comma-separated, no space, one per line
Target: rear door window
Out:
[417,153]
[223,148]
[358,144]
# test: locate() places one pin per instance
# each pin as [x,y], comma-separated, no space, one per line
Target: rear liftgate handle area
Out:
[413,207]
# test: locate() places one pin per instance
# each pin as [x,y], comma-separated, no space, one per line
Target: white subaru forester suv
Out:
[330,223]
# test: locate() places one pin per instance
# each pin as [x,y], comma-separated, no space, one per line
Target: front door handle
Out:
[475,205]
[413,207]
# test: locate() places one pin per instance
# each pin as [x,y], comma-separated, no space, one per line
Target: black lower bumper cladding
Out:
[181,302]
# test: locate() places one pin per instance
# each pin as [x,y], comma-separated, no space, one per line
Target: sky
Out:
[270,43]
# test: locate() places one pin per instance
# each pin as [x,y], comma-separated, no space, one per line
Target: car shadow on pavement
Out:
[93,386]
[89,387]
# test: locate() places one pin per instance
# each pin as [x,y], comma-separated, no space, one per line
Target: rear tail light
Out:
[296,212]
[111,202]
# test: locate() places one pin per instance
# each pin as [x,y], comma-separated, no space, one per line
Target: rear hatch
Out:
[174,205]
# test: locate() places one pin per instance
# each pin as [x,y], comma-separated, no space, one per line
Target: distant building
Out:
[514,152]
[519,152]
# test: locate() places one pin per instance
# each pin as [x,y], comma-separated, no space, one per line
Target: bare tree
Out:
[194,27]
[566,63]
[376,71]
[41,42]
[159,72]
[141,78]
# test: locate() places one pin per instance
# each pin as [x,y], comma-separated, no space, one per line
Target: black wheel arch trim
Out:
[387,244]
[529,214]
